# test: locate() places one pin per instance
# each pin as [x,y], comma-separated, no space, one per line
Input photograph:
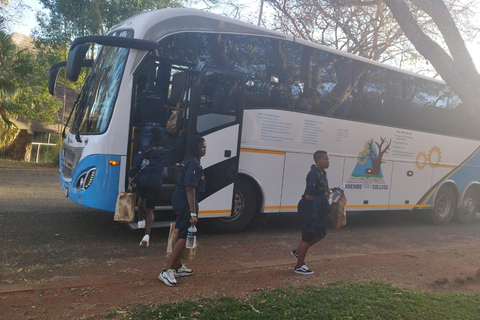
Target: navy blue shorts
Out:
[182,212]
[309,230]
[150,193]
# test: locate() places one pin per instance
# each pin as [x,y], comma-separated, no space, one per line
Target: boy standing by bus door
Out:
[313,210]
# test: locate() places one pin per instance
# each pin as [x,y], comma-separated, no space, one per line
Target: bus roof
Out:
[156,25]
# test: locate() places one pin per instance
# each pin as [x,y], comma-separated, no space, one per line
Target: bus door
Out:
[215,112]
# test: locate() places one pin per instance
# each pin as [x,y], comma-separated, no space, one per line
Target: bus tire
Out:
[444,207]
[470,206]
[243,210]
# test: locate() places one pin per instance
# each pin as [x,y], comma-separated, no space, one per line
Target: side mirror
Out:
[75,60]
[52,76]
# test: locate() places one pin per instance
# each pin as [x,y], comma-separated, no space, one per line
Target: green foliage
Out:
[68,19]
[333,301]
[52,154]
[23,88]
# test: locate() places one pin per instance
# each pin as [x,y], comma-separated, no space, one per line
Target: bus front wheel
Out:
[243,210]
[444,207]
[470,206]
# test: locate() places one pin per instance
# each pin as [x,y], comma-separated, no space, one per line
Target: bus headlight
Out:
[85,180]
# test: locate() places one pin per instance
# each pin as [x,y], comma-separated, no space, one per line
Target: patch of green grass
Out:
[334,301]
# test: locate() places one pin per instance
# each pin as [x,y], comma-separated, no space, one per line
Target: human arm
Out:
[137,163]
[191,204]
[311,179]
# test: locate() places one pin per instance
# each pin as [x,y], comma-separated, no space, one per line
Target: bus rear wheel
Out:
[444,207]
[470,206]
[243,210]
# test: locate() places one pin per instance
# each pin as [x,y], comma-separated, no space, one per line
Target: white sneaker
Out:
[182,271]
[141,224]
[167,277]
[145,241]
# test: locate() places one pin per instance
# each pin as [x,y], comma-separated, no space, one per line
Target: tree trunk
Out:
[458,70]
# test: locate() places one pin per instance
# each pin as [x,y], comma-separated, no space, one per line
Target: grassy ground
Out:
[333,301]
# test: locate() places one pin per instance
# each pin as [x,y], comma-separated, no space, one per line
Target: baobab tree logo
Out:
[369,162]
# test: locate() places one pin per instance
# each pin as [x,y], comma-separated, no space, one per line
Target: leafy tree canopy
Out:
[23,88]
[68,19]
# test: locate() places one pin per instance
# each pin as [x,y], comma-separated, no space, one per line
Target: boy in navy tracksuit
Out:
[313,210]
[190,183]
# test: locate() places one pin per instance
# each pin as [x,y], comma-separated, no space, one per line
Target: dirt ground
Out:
[111,273]
[93,292]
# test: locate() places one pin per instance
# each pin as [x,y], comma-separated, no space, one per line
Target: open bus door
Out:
[215,113]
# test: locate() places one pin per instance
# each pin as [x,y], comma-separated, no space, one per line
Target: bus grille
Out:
[69,160]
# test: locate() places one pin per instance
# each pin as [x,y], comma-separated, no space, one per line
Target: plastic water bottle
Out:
[144,164]
[338,193]
[191,237]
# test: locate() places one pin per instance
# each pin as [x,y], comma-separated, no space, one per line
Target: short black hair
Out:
[193,145]
[318,154]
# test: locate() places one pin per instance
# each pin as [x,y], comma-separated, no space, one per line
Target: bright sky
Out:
[28,18]
[29,22]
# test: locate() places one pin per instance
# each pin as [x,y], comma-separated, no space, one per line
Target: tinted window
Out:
[292,76]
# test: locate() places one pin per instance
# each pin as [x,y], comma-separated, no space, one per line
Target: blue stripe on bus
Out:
[465,173]
[103,192]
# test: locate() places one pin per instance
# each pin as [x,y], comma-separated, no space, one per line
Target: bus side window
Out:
[309,101]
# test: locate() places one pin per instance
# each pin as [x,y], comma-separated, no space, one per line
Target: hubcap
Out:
[238,206]
[470,206]
[443,206]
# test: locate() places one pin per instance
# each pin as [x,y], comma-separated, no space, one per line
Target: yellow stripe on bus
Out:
[215,212]
[363,206]
[294,208]
[263,151]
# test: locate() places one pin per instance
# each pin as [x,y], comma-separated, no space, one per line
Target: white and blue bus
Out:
[264,102]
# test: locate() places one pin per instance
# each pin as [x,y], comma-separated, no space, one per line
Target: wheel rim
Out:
[443,206]
[238,206]
[470,205]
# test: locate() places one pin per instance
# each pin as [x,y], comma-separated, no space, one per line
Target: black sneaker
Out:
[295,254]
[303,270]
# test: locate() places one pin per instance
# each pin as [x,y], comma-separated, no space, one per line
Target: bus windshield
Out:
[96,101]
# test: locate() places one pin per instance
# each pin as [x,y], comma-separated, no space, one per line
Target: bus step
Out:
[155,224]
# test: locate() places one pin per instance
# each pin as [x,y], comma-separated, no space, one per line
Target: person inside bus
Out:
[279,97]
[149,110]
[313,210]
[147,173]
[309,101]
[190,183]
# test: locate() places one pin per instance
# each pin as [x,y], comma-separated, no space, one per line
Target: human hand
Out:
[193,220]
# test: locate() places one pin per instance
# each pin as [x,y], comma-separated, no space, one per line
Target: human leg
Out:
[178,244]
[308,238]
[302,253]
[151,194]
[141,210]
[149,217]
[148,226]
